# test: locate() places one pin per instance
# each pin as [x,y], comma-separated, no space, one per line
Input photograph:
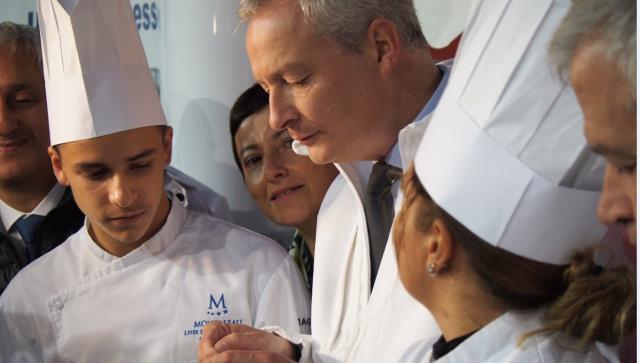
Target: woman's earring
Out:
[431,270]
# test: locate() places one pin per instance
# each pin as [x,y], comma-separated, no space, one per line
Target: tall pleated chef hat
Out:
[96,73]
[505,153]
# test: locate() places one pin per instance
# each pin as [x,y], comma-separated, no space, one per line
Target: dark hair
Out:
[581,299]
[250,102]
[161,128]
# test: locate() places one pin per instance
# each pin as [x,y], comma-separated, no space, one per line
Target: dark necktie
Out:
[29,229]
[378,207]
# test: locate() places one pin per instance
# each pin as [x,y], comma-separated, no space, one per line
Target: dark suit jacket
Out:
[63,221]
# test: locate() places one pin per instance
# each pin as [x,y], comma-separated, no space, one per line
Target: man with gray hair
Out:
[36,212]
[595,46]
[353,83]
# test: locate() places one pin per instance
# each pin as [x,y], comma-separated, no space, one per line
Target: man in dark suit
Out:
[36,212]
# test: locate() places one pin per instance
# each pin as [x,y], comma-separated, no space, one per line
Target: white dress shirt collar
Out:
[10,215]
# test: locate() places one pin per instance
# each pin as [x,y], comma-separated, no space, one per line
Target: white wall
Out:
[204,69]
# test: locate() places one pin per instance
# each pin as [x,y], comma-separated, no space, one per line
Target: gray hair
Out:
[606,27]
[21,38]
[346,21]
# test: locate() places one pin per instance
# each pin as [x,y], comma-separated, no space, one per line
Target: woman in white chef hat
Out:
[501,204]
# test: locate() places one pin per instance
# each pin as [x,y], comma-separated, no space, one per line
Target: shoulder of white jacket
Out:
[42,272]
[215,226]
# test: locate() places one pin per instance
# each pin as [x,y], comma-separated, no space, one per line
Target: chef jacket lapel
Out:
[70,309]
[341,258]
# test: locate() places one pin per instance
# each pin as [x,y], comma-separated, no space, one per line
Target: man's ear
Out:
[384,41]
[56,164]
[440,245]
[167,143]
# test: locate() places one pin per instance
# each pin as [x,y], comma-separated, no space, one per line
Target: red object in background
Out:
[447,52]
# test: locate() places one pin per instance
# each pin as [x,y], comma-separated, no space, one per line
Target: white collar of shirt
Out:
[152,247]
[10,215]
[500,341]
[394,157]
[497,338]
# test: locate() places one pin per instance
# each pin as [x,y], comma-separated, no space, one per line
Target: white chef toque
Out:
[504,153]
[96,73]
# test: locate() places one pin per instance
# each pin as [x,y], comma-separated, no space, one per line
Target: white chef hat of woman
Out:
[96,73]
[504,153]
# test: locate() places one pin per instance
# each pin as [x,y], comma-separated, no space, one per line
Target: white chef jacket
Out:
[350,323]
[194,195]
[499,341]
[80,304]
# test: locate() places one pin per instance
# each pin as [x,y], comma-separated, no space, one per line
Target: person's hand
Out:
[222,343]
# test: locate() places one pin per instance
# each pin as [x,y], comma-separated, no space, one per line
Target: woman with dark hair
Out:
[499,210]
[516,306]
[288,188]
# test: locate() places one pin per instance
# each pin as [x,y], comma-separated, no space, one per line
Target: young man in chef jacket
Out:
[144,275]
[32,202]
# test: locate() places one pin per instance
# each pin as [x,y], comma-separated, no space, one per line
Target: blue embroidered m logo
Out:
[217,303]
